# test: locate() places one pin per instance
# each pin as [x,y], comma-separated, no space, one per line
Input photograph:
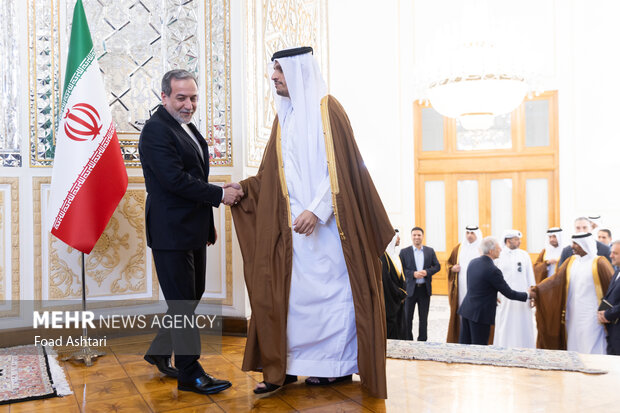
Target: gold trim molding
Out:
[127,280]
[13,226]
[224,179]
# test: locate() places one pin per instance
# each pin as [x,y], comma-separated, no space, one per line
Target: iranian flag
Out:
[89,177]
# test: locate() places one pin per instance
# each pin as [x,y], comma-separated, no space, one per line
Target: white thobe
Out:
[321,333]
[514,320]
[466,254]
[583,331]
[552,253]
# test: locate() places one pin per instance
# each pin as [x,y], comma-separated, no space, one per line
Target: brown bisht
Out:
[551,297]
[540,268]
[454,325]
[263,226]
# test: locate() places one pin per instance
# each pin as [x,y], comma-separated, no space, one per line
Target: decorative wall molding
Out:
[9,247]
[43,79]
[273,25]
[120,265]
[10,135]
[219,282]
[217,82]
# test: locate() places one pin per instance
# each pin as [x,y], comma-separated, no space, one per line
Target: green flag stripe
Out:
[80,44]
[77,75]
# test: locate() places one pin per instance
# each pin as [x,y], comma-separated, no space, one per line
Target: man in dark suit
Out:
[419,265]
[611,317]
[484,280]
[582,226]
[179,224]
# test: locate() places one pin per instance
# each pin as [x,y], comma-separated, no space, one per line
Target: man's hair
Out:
[607,231]
[417,229]
[487,244]
[583,219]
[616,242]
[177,74]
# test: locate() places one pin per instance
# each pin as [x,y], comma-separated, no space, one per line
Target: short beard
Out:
[177,116]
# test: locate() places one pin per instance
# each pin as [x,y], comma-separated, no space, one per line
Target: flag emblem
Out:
[82,120]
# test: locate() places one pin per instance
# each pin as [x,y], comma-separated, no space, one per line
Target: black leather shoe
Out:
[163,364]
[205,384]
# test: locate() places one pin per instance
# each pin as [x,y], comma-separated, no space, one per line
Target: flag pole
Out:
[85,353]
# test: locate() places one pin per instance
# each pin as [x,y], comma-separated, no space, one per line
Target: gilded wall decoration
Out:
[219,277]
[119,265]
[273,25]
[10,136]
[217,81]
[9,247]
[135,43]
[44,79]
[2,249]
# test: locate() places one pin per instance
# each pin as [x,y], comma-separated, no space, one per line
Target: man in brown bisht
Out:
[547,260]
[457,265]
[567,302]
[311,228]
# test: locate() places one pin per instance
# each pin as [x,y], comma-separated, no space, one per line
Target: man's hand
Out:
[423,272]
[532,294]
[232,193]
[418,274]
[456,268]
[601,317]
[305,223]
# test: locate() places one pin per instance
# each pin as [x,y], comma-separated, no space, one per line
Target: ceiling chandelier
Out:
[476,65]
[479,89]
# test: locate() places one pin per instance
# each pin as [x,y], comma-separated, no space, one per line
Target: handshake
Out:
[532,294]
[232,193]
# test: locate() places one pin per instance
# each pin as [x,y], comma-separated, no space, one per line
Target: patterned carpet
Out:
[29,373]
[490,355]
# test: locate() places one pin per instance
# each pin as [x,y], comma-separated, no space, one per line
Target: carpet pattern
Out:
[25,374]
[490,355]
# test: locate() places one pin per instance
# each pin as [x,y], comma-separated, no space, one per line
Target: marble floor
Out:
[122,382]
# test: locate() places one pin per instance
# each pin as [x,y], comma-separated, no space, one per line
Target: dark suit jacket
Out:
[431,265]
[179,214]
[601,249]
[613,316]
[484,280]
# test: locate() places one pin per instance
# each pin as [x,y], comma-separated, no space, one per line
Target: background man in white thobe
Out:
[584,333]
[514,322]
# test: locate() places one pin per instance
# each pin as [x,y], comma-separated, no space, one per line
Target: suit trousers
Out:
[181,275]
[423,300]
[474,333]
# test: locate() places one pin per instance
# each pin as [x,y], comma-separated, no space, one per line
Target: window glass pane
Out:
[497,136]
[467,193]
[432,130]
[435,226]
[537,123]
[537,213]
[501,207]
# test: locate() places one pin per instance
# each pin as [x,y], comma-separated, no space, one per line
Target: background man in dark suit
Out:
[484,280]
[179,224]
[419,265]
[582,226]
[610,317]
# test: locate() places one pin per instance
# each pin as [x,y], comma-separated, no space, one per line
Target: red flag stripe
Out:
[94,201]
